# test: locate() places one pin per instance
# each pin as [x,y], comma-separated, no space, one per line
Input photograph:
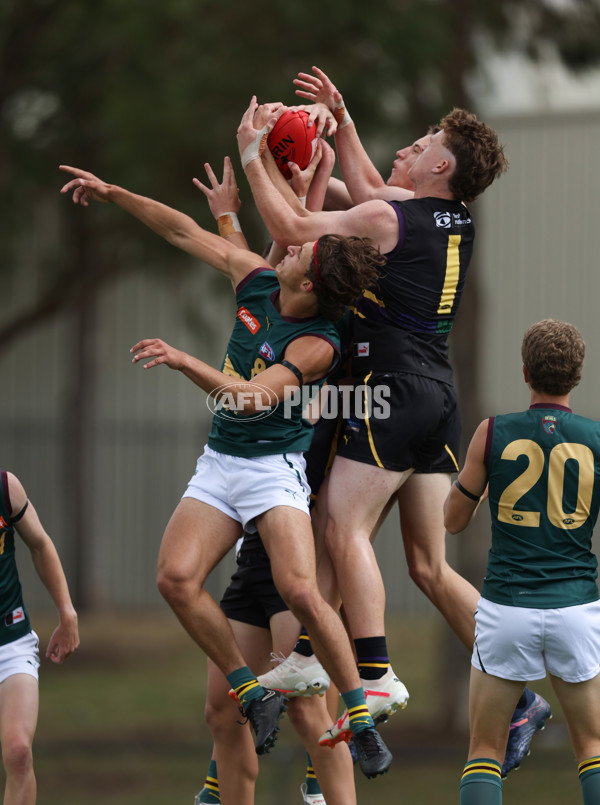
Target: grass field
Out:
[122,722]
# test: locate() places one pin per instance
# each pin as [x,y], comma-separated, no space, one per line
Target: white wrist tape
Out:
[302,200]
[341,115]
[255,149]
[228,223]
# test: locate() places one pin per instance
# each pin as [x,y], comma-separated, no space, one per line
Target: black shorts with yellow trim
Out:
[419,427]
[251,596]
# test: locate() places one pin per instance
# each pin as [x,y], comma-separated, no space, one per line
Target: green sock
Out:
[360,718]
[210,792]
[245,685]
[481,783]
[312,784]
[589,777]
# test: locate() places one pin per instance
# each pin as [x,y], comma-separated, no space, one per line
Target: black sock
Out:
[372,657]
[303,645]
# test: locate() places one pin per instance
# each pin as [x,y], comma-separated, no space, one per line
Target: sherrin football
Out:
[292,141]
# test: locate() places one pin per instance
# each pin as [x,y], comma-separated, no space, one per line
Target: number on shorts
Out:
[558,457]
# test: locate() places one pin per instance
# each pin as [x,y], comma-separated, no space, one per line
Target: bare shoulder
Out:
[16,490]
[243,262]
[375,219]
[387,193]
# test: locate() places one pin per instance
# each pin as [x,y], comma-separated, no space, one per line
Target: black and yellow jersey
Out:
[403,324]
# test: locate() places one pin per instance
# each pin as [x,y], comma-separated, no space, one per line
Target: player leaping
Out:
[252,469]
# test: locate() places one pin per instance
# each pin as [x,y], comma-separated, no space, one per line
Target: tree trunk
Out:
[79,423]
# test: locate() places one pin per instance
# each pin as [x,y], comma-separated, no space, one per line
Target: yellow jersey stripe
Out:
[370,295]
[452,276]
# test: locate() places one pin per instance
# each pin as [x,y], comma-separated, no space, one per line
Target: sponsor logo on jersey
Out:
[251,323]
[267,352]
[2,522]
[361,349]
[442,219]
[458,221]
[16,616]
[549,424]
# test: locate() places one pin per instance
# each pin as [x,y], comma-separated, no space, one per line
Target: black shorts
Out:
[319,457]
[251,596]
[419,428]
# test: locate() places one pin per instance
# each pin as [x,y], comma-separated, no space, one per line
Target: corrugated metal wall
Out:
[536,258]
[538,250]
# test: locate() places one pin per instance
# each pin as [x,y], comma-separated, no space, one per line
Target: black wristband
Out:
[466,492]
[295,370]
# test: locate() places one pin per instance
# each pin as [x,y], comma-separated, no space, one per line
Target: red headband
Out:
[318,273]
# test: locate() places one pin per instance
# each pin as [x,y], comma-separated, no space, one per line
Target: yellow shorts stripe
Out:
[368,424]
[452,456]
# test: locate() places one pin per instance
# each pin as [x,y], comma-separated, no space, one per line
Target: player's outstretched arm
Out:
[470,488]
[174,226]
[312,355]
[363,180]
[65,638]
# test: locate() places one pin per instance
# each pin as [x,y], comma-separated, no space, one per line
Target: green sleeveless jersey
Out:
[259,339]
[14,620]
[544,494]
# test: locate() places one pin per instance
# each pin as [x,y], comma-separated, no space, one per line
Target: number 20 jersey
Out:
[544,494]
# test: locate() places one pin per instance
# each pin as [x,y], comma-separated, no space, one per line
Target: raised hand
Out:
[320,115]
[222,197]
[318,88]
[252,142]
[266,111]
[85,187]
[301,179]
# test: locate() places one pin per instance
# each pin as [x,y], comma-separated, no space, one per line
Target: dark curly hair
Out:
[479,156]
[341,268]
[553,352]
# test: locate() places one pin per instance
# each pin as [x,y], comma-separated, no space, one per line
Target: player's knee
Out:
[425,573]
[17,757]
[302,598]
[219,717]
[334,544]
[173,587]
[300,716]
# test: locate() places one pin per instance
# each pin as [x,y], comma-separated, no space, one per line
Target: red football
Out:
[291,140]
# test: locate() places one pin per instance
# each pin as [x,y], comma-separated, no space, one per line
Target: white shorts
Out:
[22,656]
[522,644]
[244,488]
